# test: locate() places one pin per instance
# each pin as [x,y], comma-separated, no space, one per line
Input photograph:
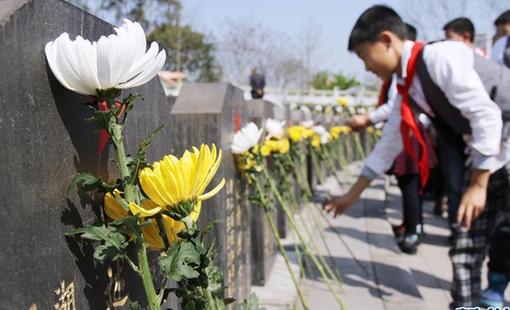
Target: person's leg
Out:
[410,185]
[499,259]
[452,162]
[470,246]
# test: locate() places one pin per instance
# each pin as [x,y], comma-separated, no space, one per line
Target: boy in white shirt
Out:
[442,69]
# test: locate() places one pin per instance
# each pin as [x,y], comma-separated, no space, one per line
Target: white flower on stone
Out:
[307,124]
[293,106]
[118,61]
[246,138]
[320,130]
[275,128]
[318,108]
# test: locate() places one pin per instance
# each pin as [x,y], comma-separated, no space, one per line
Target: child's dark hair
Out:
[503,19]
[460,26]
[372,22]
[411,32]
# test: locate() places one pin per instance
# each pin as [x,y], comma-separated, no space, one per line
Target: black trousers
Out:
[409,185]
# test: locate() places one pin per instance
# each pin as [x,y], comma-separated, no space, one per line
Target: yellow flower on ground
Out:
[343,102]
[378,133]
[172,181]
[370,130]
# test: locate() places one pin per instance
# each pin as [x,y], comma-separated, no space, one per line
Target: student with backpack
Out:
[444,81]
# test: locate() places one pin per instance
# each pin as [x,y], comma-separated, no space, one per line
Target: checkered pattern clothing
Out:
[471,246]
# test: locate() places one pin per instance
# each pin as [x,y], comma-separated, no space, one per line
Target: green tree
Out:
[188,51]
[326,80]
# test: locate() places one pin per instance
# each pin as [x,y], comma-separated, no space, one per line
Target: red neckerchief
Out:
[408,124]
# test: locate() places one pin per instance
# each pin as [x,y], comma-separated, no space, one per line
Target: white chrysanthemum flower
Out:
[245,138]
[118,61]
[307,124]
[319,108]
[320,130]
[325,138]
[275,128]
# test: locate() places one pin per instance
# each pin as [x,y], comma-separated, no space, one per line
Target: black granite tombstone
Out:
[45,141]
[263,246]
[210,113]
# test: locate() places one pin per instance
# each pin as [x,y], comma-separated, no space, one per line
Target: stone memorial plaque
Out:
[263,246]
[45,141]
[210,113]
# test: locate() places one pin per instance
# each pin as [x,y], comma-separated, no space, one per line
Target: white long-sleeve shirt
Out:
[383,111]
[450,65]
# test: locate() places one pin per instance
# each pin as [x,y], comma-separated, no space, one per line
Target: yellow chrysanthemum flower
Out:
[172,181]
[370,130]
[343,102]
[335,132]
[296,133]
[316,141]
[378,133]
[308,133]
[114,210]
[151,234]
[265,150]
[280,146]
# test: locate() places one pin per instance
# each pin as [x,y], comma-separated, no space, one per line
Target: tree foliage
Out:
[326,80]
[195,52]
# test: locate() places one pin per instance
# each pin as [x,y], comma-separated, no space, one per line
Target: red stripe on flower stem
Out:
[104,136]
[103,133]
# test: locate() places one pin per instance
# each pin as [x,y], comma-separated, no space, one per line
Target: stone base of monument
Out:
[279,292]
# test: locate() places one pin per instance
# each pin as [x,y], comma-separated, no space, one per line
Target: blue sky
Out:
[334,19]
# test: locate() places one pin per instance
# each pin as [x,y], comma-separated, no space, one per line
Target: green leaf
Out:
[89,182]
[251,303]
[135,306]
[129,225]
[180,261]
[102,119]
[113,245]
[144,144]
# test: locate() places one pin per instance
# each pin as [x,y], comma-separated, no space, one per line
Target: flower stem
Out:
[309,233]
[267,214]
[145,274]
[293,224]
[122,162]
[141,248]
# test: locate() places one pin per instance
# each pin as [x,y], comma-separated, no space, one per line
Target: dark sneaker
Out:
[399,232]
[409,244]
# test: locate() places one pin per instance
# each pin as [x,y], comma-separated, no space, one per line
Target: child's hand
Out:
[339,204]
[471,205]
[358,122]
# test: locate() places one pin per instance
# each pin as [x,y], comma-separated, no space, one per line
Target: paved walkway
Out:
[376,274]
